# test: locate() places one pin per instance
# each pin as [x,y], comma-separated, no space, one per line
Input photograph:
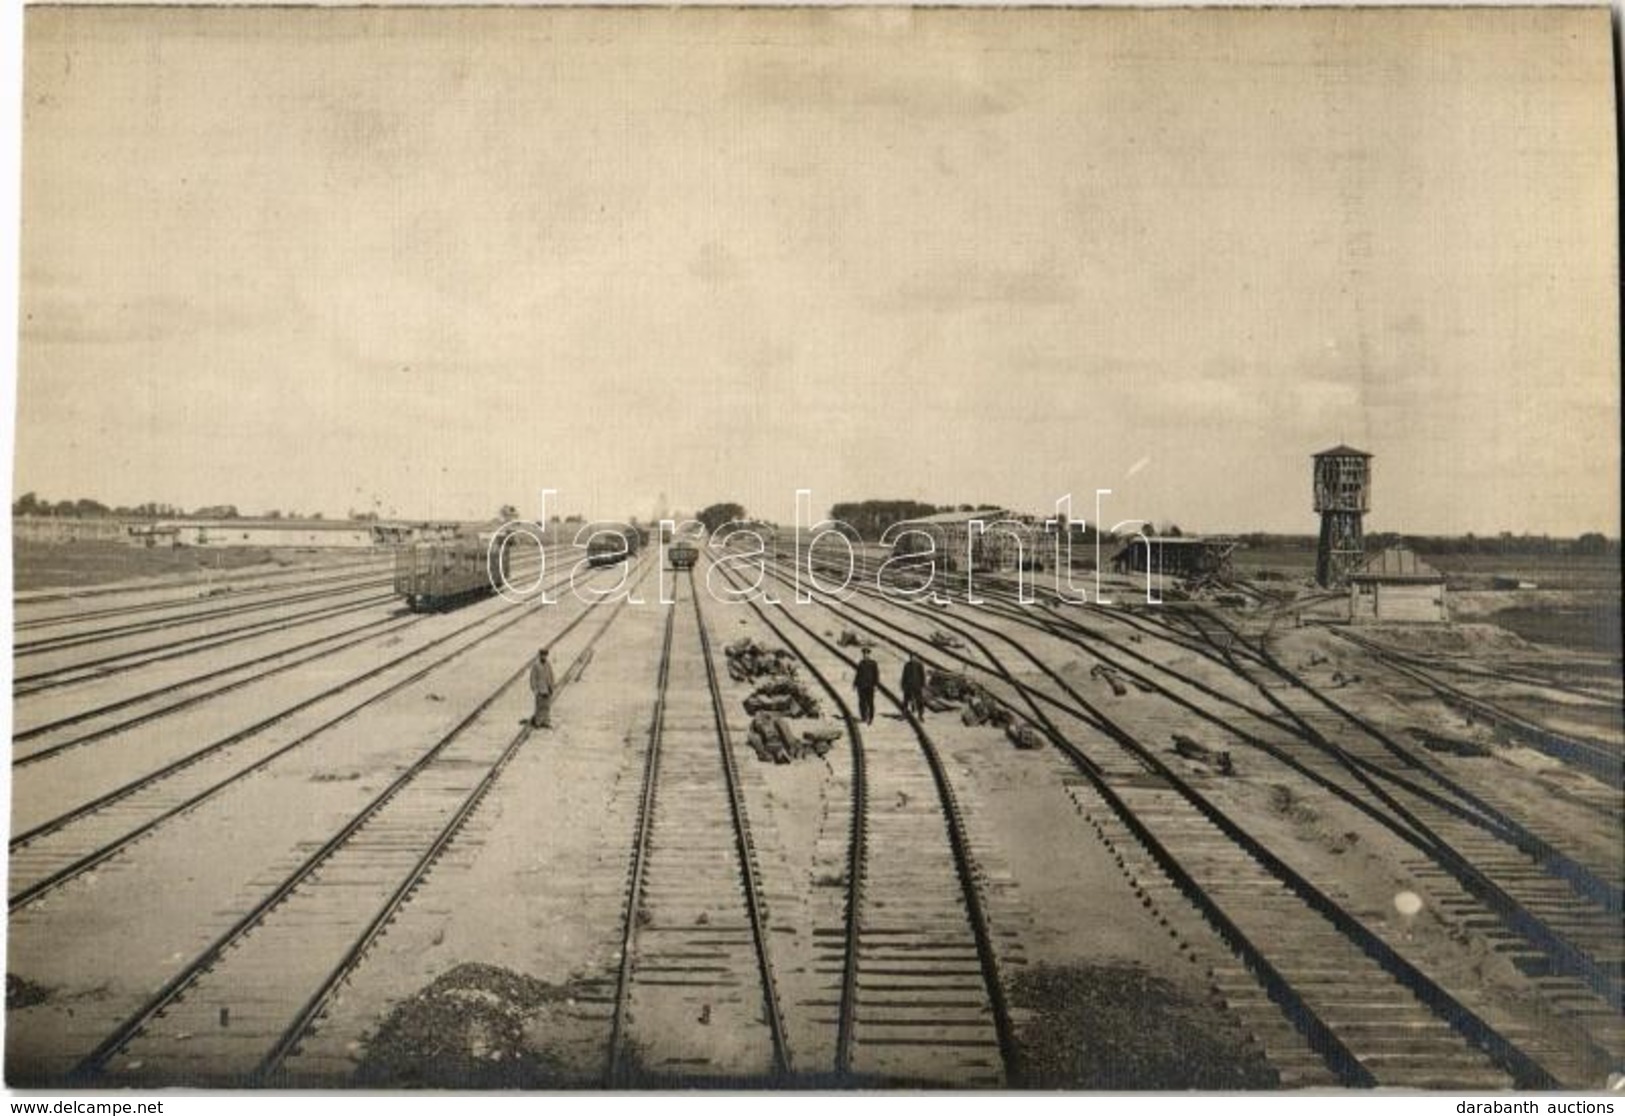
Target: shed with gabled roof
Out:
[1397,586]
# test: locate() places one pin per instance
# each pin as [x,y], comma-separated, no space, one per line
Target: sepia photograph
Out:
[817,549]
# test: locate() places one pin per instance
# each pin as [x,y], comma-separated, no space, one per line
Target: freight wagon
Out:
[440,575]
[613,545]
[682,555]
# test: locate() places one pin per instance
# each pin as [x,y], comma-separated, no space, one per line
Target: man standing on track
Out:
[867,682]
[542,685]
[914,686]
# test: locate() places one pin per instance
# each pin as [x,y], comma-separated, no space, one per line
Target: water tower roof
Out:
[1342,451]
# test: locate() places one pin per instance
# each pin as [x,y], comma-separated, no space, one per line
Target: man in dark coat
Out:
[867,682]
[542,685]
[914,686]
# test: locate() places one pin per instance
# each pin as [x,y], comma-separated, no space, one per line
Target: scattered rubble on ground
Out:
[1212,758]
[945,641]
[1283,801]
[1023,735]
[1451,745]
[1110,677]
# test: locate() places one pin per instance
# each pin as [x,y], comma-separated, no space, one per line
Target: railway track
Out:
[79,671]
[1593,694]
[916,993]
[54,852]
[1554,917]
[239,1008]
[1567,914]
[285,659]
[75,640]
[1507,871]
[1318,714]
[914,990]
[1223,646]
[1596,758]
[1264,907]
[1364,771]
[208,604]
[695,961]
[75,670]
[276,662]
[35,598]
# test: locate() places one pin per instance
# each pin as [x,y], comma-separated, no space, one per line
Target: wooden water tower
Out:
[1342,497]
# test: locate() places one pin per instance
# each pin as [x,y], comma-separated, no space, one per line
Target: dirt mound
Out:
[466,1030]
[1457,639]
[1119,1027]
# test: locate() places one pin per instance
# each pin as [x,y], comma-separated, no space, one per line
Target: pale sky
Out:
[443,260]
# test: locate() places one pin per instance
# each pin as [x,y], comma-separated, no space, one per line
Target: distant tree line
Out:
[1592,543]
[29,503]
[871,518]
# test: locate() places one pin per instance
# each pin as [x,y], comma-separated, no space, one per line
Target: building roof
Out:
[272,524]
[1217,549]
[1182,540]
[1342,451]
[946,518]
[1397,563]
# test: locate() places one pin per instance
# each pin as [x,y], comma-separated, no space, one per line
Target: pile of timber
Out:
[945,690]
[749,660]
[947,686]
[784,697]
[775,740]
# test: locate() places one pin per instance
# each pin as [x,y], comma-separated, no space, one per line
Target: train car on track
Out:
[439,575]
[612,545]
[682,555]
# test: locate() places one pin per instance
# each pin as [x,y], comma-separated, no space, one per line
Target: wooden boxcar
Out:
[438,575]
